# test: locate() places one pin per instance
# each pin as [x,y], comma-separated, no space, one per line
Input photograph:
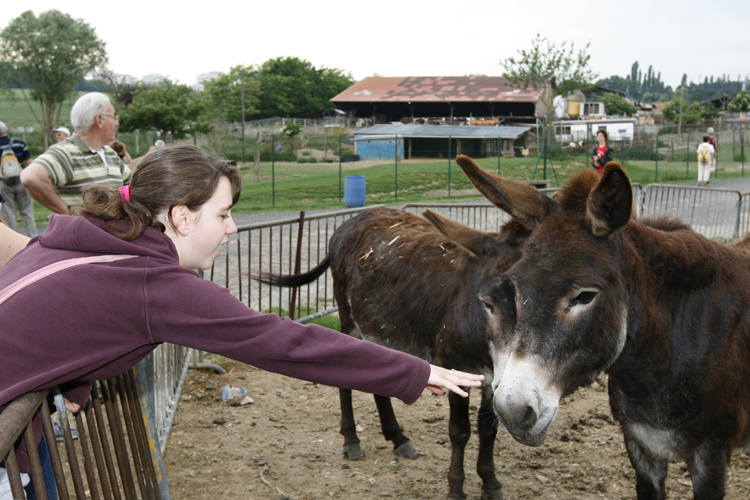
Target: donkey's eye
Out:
[490,308]
[583,298]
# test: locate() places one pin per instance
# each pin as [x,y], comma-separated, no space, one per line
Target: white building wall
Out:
[580,130]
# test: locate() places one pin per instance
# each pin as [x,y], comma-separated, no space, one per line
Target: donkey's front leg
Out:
[650,472]
[487,426]
[708,469]
[459,429]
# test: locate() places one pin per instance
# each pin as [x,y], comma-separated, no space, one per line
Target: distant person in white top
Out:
[706,154]
[715,143]
[61,133]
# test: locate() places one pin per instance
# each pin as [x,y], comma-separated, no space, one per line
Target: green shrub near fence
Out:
[639,152]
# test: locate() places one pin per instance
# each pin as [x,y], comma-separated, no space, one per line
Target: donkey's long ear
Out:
[476,242]
[521,201]
[610,203]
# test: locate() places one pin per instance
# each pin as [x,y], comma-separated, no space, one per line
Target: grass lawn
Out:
[319,186]
[16,113]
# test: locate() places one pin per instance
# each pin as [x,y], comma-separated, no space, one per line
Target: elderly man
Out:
[13,192]
[61,133]
[57,177]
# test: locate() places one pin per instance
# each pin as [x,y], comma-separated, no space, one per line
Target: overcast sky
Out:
[413,38]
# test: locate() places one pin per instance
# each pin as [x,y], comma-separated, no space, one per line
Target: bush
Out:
[307,160]
[567,152]
[265,156]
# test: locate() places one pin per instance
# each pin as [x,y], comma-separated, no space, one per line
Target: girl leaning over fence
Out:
[97,319]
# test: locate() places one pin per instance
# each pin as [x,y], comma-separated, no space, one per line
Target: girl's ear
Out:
[180,219]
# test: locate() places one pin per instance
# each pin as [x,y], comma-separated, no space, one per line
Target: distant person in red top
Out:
[602,154]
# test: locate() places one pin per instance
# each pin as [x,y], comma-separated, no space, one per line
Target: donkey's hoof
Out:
[406,450]
[353,451]
[494,493]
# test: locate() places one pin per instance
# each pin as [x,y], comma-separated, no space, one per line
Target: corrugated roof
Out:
[436,89]
[445,131]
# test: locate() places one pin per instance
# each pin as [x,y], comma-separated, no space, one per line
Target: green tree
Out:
[740,103]
[167,108]
[646,87]
[709,112]
[120,93]
[618,83]
[618,105]
[691,113]
[290,86]
[293,131]
[550,70]
[634,80]
[224,94]
[49,55]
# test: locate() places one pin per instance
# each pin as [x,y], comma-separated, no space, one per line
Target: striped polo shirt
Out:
[72,165]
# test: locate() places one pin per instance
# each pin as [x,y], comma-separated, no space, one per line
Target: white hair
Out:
[84,111]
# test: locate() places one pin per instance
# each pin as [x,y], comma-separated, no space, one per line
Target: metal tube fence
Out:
[271,247]
[159,377]
[482,216]
[744,219]
[714,213]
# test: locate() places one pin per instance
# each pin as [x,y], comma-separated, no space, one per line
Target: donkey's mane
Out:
[575,193]
[664,223]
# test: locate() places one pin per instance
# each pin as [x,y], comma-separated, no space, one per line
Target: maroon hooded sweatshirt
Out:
[95,321]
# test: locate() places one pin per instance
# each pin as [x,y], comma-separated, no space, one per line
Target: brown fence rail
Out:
[112,459]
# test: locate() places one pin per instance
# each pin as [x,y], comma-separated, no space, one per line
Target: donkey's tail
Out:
[293,280]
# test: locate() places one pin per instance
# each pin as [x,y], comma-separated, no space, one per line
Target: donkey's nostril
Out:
[529,419]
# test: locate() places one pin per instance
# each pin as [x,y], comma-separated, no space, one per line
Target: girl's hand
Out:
[71,406]
[442,378]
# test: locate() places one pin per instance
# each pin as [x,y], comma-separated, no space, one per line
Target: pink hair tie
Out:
[125,192]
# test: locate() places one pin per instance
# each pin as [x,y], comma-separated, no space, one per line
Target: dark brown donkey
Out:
[666,313]
[412,284]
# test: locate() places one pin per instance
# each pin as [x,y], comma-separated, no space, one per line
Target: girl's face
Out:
[206,229]
[600,136]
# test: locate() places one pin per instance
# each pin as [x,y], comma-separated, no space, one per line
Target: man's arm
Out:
[11,243]
[37,182]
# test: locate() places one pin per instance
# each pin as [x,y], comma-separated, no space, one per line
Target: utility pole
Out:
[682,99]
[242,79]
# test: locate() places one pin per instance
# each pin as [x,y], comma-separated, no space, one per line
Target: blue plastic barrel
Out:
[354,191]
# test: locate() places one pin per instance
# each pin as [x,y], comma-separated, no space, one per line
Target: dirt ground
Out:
[286,445]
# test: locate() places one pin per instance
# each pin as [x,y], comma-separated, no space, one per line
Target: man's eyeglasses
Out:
[114,117]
